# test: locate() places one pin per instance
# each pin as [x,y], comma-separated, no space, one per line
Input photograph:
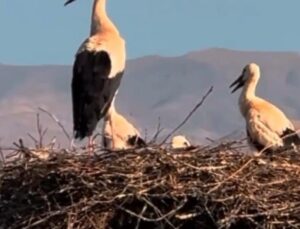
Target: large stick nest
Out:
[212,187]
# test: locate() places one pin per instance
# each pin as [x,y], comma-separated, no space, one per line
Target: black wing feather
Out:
[136,141]
[290,137]
[92,90]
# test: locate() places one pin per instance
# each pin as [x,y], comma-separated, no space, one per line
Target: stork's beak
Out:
[68,2]
[238,83]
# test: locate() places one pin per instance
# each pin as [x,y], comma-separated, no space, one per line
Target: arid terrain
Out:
[154,87]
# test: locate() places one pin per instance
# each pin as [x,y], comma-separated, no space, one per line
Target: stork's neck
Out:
[100,20]
[248,94]
[250,89]
[111,111]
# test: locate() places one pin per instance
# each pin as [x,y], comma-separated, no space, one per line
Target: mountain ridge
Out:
[154,86]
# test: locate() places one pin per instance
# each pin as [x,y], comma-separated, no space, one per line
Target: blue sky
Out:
[46,32]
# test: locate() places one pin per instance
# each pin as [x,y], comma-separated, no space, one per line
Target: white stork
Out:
[97,72]
[267,126]
[180,141]
[119,133]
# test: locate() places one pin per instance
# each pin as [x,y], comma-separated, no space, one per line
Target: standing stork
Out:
[119,133]
[97,72]
[267,126]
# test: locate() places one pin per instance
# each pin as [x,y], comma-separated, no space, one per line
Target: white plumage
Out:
[119,133]
[97,72]
[179,141]
[267,126]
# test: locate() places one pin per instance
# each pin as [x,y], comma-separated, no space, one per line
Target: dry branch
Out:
[199,104]
[57,121]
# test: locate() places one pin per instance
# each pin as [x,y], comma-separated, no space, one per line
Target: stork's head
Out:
[69,1]
[250,72]
[180,141]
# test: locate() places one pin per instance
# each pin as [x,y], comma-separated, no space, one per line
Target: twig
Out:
[158,212]
[158,131]
[39,130]
[22,148]
[45,219]
[36,142]
[137,226]
[187,215]
[170,213]
[189,115]
[231,176]
[57,121]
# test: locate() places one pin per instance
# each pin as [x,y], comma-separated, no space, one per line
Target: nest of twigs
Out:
[211,187]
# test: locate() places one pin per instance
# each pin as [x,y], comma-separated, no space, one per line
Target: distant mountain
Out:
[154,87]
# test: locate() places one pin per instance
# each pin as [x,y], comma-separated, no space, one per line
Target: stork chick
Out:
[179,142]
[119,133]
[267,126]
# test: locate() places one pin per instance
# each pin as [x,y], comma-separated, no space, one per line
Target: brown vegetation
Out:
[212,187]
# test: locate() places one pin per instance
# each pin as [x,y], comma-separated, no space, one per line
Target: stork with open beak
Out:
[267,126]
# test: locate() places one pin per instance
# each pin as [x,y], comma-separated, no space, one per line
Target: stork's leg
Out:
[112,133]
[73,146]
[91,146]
